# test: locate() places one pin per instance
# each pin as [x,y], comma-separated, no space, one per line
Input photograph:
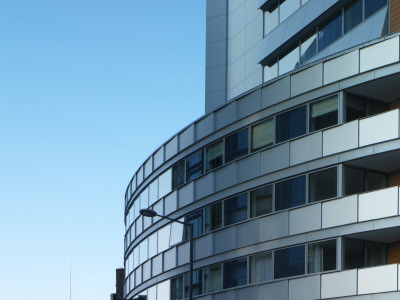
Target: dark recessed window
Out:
[352,15]
[330,31]
[236,145]
[354,181]
[178,174]
[354,254]
[197,220]
[261,201]
[372,6]
[213,217]
[375,181]
[177,288]
[323,185]
[194,165]
[212,279]
[324,113]
[262,135]
[322,256]
[308,48]
[235,273]
[235,209]
[291,124]
[197,285]
[355,107]
[261,268]
[290,193]
[289,262]
[214,155]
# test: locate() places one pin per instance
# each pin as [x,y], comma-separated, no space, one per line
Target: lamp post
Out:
[151,214]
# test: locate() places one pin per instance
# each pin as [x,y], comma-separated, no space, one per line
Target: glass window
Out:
[304,2]
[213,217]
[375,181]
[308,48]
[354,181]
[324,113]
[176,233]
[138,276]
[139,225]
[353,254]
[261,201]
[290,193]
[376,255]
[287,7]
[212,279]
[289,62]
[262,134]
[372,6]
[153,245]
[194,165]
[197,283]
[271,19]
[270,72]
[135,257]
[322,256]
[236,145]
[163,238]
[164,183]
[261,268]
[235,273]
[355,107]
[291,124]
[235,209]
[323,185]
[376,107]
[197,220]
[177,288]
[352,15]
[178,174]
[143,251]
[214,156]
[289,262]
[330,31]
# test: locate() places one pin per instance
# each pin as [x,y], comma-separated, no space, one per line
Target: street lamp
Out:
[151,214]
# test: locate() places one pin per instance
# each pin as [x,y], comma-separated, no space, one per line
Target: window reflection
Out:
[289,262]
[308,48]
[289,62]
[287,8]
[330,31]
[352,15]
[214,156]
[235,209]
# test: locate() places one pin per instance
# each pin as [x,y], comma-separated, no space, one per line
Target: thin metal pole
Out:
[191,263]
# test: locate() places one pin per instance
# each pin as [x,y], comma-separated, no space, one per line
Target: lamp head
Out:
[148,213]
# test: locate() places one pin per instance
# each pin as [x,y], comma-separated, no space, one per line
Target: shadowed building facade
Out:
[291,178]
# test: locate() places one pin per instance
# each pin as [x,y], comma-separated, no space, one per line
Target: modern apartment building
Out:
[291,178]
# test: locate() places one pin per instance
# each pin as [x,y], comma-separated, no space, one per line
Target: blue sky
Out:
[88,90]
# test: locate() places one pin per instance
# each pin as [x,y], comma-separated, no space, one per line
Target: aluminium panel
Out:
[213,101]
[203,246]
[254,35]
[225,177]
[237,20]
[186,194]
[171,148]
[339,284]
[237,46]
[305,288]
[186,138]
[276,290]
[224,240]
[306,148]
[216,8]
[306,80]
[276,92]
[215,79]
[226,115]
[378,204]
[249,104]
[216,29]
[340,138]
[305,219]
[274,226]
[344,66]
[378,279]
[274,159]
[216,54]
[242,233]
[158,158]
[249,167]
[379,54]
[170,259]
[339,212]
[170,203]
[204,127]
[183,254]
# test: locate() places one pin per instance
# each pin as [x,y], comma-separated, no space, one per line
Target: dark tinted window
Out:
[197,220]
[213,217]
[235,273]
[291,124]
[324,113]
[355,107]
[236,145]
[352,15]
[372,6]
[290,193]
[214,156]
[197,286]
[178,174]
[235,209]
[354,181]
[330,31]
[194,165]
[353,254]
[261,201]
[289,262]
[177,288]
[322,256]
[323,185]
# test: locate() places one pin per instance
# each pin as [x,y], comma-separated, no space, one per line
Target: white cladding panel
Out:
[377,280]
[339,212]
[341,67]
[340,138]
[380,54]
[378,204]
[339,284]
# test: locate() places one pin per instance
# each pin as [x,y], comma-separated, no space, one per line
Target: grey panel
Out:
[157,265]
[249,167]
[254,79]
[237,20]
[204,127]
[225,115]
[170,203]
[276,92]
[171,148]
[274,291]
[306,80]
[379,23]
[186,138]
[251,59]
[305,288]
[216,8]
[215,100]
[204,186]
[248,233]
[215,79]
[295,22]
[216,54]
[249,104]
[203,246]
[248,293]
[234,4]
[314,8]
[237,74]
[216,29]
[252,10]
[229,295]
[305,219]
[306,149]
[225,240]
[275,159]
[237,46]
[254,34]
[185,194]
[225,177]
[387,296]
[170,259]
[158,158]
[147,270]
[274,226]
[183,254]
[344,66]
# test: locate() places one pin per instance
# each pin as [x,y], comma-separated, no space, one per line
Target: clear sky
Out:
[88,90]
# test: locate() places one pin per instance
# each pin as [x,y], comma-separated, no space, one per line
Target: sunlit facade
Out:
[291,178]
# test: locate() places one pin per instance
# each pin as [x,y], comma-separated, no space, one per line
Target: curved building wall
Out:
[292,186]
